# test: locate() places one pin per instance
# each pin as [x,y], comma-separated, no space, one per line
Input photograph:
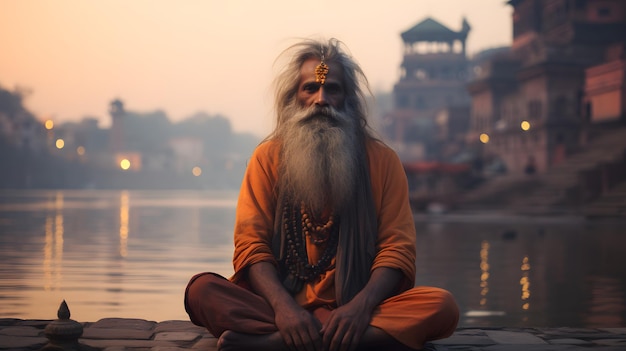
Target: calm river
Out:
[130,254]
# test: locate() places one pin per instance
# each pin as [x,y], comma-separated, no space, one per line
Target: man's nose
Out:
[321,98]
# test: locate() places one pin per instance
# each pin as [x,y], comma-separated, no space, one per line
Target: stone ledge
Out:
[120,334]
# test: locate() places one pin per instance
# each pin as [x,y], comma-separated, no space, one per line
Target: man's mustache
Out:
[316,111]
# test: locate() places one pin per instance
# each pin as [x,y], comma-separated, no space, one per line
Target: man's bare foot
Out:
[233,341]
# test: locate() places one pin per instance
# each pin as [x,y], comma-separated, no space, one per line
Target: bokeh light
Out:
[484,138]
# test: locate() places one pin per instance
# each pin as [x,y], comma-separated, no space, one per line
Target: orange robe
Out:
[414,315]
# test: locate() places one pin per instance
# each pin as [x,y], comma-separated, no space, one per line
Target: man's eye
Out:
[310,88]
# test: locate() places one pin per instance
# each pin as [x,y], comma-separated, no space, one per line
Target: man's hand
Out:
[345,327]
[299,329]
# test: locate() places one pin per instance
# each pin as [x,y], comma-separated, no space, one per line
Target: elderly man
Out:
[324,236]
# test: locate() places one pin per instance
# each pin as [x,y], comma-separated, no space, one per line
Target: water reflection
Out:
[124,211]
[525,283]
[130,254]
[484,272]
[521,272]
[53,249]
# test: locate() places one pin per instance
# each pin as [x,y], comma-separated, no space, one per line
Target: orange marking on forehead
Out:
[321,71]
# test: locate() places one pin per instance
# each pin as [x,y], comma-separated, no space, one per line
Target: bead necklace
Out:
[318,232]
[296,260]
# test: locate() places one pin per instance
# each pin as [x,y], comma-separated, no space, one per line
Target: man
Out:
[324,235]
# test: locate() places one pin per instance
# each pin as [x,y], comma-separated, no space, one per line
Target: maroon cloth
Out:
[217,304]
[411,317]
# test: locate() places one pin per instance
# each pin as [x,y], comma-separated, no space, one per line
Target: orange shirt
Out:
[254,222]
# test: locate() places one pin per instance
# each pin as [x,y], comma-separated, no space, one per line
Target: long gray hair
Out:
[286,83]
[358,226]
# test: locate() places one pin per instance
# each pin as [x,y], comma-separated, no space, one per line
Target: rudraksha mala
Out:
[297,224]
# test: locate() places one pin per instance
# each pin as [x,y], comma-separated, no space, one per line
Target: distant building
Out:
[117,113]
[528,104]
[188,153]
[433,75]
[122,157]
[605,88]
[22,131]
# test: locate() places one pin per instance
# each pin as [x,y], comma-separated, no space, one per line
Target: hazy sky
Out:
[204,55]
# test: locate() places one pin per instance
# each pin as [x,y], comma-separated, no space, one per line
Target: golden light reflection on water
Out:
[47,254]
[484,272]
[124,214]
[66,246]
[53,247]
[525,283]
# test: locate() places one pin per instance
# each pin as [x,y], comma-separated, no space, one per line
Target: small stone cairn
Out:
[63,333]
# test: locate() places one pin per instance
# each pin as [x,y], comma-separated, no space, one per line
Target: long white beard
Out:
[319,157]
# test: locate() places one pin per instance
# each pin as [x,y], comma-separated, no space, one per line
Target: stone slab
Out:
[177,336]
[611,342]
[116,333]
[149,344]
[168,348]
[178,326]
[534,347]
[9,342]
[124,323]
[464,340]
[619,331]
[21,331]
[569,341]
[507,337]
[206,344]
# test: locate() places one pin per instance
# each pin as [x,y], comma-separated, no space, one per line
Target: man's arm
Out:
[298,328]
[347,324]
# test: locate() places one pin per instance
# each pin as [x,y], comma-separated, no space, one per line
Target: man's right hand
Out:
[299,329]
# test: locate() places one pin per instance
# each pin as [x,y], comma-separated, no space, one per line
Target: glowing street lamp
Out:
[49,124]
[60,143]
[196,171]
[525,125]
[125,164]
[484,138]
[80,150]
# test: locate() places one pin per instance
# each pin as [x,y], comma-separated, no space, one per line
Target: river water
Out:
[130,254]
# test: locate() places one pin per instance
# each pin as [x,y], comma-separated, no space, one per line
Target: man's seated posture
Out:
[324,235]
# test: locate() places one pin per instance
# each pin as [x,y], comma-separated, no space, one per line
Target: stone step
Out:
[123,334]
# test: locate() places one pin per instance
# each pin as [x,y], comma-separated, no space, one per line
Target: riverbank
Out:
[125,334]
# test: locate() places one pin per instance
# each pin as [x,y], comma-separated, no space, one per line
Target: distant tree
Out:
[215,132]
[244,143]
[11,102]
[147,132]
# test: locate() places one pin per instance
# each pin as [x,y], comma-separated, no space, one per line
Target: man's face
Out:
[310,92]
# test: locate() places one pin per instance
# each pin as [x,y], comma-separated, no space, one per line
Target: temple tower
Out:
[117,113]
[433,75]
